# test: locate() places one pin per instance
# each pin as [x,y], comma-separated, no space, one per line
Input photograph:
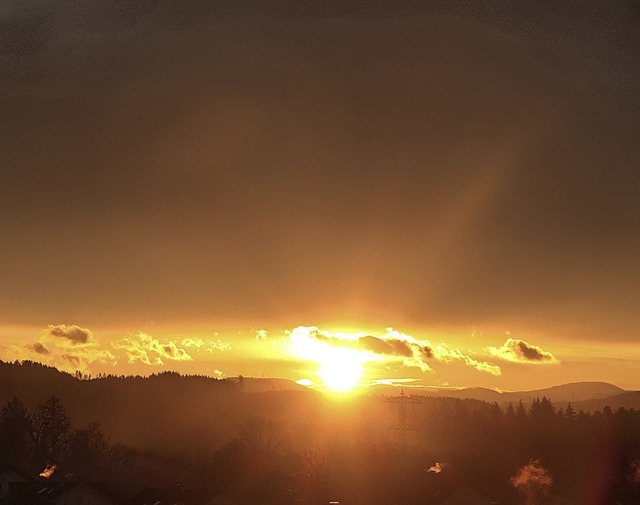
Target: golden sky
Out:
[331,359]
[175,176]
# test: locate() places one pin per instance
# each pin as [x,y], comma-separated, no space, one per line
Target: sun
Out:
[340,370]
[340,367]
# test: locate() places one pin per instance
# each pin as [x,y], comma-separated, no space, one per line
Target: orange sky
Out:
[315,355]
[193,170]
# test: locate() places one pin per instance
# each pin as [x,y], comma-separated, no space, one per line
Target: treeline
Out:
[259,465]
[356,460]
[142,412]
[484,443]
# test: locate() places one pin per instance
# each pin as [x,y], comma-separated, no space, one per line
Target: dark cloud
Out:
[73,333]
[386,346]
[519,351]
[530,352]
[38,348]
[427,352]
[74,360]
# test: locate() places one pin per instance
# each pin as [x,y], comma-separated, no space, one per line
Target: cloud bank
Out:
[394,346]
[71,348]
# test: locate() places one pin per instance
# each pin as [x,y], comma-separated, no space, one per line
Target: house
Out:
[12,480]
[464,495]
[72,493]
[176,495]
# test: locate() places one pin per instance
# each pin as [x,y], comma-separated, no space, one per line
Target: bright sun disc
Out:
[340,371]
[339,367]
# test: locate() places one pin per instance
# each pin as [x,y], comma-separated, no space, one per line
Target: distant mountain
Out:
[627,400]
[574,392]
[262,384]
[566,393]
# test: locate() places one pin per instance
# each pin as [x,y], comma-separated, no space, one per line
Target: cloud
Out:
[149,350]
[73,333]
[394,345]
[66,347]
[38,348]
[262,335]
[74,360]
[519,351]
[444,353]
[382,346]
[196,343]
[391,382]
[207,345]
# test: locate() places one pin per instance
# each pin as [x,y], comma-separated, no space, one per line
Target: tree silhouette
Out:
[264,436]
[51,428]
[570,413]
[16,426]
[87,451]
[542,410]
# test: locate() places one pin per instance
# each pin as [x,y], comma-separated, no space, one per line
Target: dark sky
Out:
[283,162]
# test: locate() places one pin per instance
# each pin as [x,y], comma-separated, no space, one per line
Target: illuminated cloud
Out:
[196,343]
[72,333]
[393,345]
[445,354]
[66,347]
[207,345]
[149,350]
[519,351]
[392,382]
[262,335]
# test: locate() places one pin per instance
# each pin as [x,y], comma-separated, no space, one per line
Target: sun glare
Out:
[339,368]
[340,371]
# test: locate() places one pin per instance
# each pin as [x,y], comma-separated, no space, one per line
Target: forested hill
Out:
[171,411]
[166,408]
